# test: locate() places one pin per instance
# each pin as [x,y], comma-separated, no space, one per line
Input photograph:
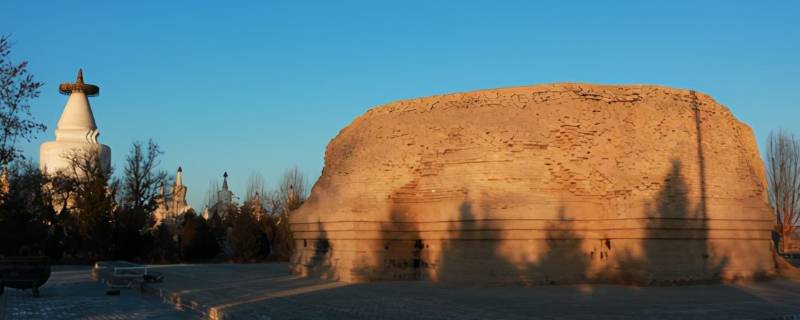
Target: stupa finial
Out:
[179,177]
[79,86]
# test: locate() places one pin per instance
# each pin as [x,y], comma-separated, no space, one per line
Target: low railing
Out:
[121,275]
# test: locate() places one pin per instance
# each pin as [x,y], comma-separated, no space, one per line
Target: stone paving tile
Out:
[268,291]
[71,294]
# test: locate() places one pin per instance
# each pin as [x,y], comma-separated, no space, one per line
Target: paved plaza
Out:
[71,294]
[268,291]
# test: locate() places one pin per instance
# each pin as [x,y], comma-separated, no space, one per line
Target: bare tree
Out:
[783,174]
[84,165]
[142,181]
[62,188]
[17,87]
[212,197]
[292,190]
[256,185]
[93,200]
[291,193]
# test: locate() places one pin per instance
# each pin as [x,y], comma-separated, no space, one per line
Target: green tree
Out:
[25,212]
[66,237]
[139,190]
[165,248]
[196,240]
[218,228]
[247,239]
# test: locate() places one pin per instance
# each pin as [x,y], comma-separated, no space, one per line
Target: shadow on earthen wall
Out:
[676,247]
[565,260]
[474,253]
[471,250]
[400,249]
[676,244]
[320,263]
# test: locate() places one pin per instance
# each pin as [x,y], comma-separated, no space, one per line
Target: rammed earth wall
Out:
[563,183]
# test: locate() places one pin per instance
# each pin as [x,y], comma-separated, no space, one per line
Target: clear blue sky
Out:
[264,85]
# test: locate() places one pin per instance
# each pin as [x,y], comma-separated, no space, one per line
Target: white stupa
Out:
[172,211]
[76,130]
[225,196]
[224,201]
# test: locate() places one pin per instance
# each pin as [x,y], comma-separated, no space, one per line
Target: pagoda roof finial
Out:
[79,86]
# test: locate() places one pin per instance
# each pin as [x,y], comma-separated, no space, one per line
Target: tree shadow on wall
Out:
[675,248]
[676,245]
[478,251]
[319,262]
[565,260]
[400,250]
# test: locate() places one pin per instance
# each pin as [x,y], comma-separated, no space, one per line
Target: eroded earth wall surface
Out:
[550,184]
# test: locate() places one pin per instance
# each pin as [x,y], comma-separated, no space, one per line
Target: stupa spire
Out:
[225,196]
[179,177]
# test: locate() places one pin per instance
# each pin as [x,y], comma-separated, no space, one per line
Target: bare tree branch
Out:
[783,174]
[255,185]
[17,87]
[212,197]
[142,179]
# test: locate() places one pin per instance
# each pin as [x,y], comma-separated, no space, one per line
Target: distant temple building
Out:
[257,207]
[76,130]
[171,209]
[223,202]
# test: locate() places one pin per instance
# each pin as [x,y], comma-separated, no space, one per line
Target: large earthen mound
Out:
[547,184]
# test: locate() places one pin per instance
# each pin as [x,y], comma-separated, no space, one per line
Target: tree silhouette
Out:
[17,87]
